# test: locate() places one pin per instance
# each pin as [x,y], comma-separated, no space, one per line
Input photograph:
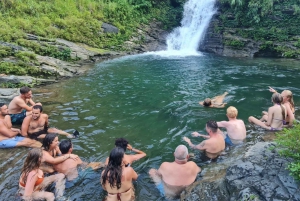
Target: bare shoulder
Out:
[45,116]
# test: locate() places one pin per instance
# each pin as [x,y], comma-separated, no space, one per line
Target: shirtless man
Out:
[128,159]
[18,108]
[216,101]
[173,177]
[214,144]
[236,129]
[35,126]
[8,138]
[69,166]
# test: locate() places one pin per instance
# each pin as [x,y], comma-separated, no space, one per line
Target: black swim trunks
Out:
[35,135]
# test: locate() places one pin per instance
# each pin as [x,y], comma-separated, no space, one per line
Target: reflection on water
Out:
[153,102]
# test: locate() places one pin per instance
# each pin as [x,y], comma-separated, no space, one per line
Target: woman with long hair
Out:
[288,102]
[276,115]
[32,182]
[117,179]
[51,153]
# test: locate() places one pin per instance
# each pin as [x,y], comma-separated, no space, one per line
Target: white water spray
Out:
[196,17]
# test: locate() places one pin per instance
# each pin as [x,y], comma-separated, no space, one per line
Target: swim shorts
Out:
[161,188]
[11,143]
[18,118]
[228,141]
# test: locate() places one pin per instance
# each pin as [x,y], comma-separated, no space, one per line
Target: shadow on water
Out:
[153,102]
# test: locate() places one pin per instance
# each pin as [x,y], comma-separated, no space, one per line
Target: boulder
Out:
[108,28]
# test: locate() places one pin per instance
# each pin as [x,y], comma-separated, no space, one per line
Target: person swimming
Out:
[216,102]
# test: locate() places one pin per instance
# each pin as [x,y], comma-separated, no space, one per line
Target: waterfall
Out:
[196,17]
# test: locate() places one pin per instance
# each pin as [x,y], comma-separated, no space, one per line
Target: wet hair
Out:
[212,125]
[122,143]
[113,171]
[48,141]
[289,94]
[32,162]
[65,146]
[181,152]
[277,98]
[39,107]
[207,102]
[24,90]
[232,112]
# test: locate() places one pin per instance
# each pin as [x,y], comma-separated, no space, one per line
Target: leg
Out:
[95,165]
[219,99]
[26,142]
[258,122]
[59,180]
[60,132]
[155,176]
[38,195]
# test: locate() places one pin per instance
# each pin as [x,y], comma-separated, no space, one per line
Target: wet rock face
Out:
[259,175]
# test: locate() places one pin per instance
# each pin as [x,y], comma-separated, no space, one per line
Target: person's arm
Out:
[201,103]
[139,154]
[25,126]
[270,117]
[222,124]
[7,132]
[31,102]
[219,105]
[30,182]
[199,146]
[49,159]
[290,113]
[133,174]
[23,105]
[272,90]
[7,119]
[196,134]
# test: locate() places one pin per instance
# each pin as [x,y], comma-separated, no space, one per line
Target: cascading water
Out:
[196,17]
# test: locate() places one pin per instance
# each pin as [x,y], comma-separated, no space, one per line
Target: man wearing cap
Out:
[172,177]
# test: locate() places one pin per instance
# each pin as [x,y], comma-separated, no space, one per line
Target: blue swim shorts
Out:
[228,141]
[18,118]
[161,188]
[11,143]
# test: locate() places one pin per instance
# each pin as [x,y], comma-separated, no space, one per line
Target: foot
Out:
[76,134]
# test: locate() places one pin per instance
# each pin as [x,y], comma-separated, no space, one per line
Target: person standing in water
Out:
[276,115]
[236,129]
[173,177]
[214,143]
[18,108]
[216,101]
[117,179]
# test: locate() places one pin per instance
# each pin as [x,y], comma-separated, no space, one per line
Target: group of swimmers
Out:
[56,159]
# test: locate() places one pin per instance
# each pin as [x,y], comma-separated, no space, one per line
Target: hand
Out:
[187,139]
[272,90]
[74,157]
[196,134]
[129,147]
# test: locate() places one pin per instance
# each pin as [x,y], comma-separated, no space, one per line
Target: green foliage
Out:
[288,140]
[19,68]
[25,56]
[235,43]
[5,51]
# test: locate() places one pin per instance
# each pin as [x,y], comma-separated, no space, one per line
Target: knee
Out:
[60,176]
[250,118]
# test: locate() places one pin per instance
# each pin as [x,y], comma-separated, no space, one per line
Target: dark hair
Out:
[122,143]
[48,141]
[1,104]
[114,168]
[24,90]
[212,125]
[32,162]
[207,102]
[38,107]
[65,146]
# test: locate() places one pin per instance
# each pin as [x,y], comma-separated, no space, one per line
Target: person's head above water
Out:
[232,112]
[48,140]
[289,96]
[32,162]
[207,102]
[277,98]
[212,126]
[65,146]
[122,143]
[181,153]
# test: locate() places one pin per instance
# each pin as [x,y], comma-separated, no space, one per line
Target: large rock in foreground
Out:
[260,175]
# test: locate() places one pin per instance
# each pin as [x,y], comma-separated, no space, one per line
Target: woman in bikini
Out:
[216,101]
[116,179]
[276,115]
[32,182]
[51,153]
[288,102]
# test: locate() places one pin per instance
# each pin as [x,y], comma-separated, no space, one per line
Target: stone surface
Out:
[6,95]
[108,28]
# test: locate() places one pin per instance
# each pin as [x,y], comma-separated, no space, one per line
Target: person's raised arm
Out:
[7,132]
[23,105]
[25,126]
[31,102]
[139,154]
[30,182]
[272,90]
[196,134]
[49,159]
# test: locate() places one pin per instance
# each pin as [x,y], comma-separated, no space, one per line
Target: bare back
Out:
[68,168]
[236,129]
[275,118]
[214,145]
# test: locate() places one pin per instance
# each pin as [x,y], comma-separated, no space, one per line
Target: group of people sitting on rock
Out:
[171,178]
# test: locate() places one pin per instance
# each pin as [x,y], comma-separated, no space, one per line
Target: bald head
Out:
[181,152]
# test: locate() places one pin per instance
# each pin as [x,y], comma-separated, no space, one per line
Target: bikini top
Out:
[38,182]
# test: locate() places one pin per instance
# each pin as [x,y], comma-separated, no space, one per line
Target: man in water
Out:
[69,166]
[18,108]
[128,159]
[214,144]
[173,177]
[216,101]
[8,135]
[236,129]
[35,126]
